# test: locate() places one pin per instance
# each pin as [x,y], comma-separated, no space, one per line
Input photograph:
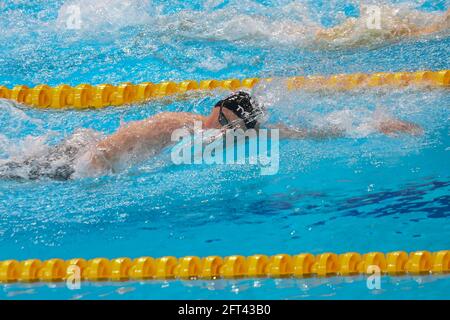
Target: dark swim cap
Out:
[241,104]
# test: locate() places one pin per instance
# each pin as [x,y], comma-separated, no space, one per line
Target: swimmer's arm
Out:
[387,126]
[330,34]
[109,149]
[427,30]
[287,132]
[333,33]
[154,132]
[393,127]
[119,143]
[385,123]
[434,28]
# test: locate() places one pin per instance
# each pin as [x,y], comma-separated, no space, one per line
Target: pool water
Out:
[363,192]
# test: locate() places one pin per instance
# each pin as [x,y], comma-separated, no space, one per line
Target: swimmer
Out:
[148,137]
[355,32]
[145,138]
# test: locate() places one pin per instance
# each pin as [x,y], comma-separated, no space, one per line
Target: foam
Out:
[291,23]
[22,156]
[357,113]
[105,15]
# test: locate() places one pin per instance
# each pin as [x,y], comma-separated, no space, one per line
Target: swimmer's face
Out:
[228,118]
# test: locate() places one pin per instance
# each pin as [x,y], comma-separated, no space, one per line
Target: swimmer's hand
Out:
[394,127]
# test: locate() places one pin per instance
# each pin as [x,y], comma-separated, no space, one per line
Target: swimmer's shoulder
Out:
[178,117]
[166,120]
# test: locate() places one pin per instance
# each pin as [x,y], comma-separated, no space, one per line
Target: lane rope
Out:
[88,96]
[230,267]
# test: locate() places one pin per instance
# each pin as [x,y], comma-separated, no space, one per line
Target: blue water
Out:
[364,192]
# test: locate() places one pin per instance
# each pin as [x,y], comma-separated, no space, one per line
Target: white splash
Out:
[103,15]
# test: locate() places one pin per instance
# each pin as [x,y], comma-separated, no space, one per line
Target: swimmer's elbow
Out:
[99,163]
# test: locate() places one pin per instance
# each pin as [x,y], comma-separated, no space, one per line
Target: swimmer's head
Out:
[237,110]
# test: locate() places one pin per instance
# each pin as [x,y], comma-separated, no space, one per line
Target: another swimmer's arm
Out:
[437,27]
[333,33]
[433,28]
[287,132]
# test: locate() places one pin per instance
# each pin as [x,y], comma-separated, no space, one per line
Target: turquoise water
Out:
[364,192]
